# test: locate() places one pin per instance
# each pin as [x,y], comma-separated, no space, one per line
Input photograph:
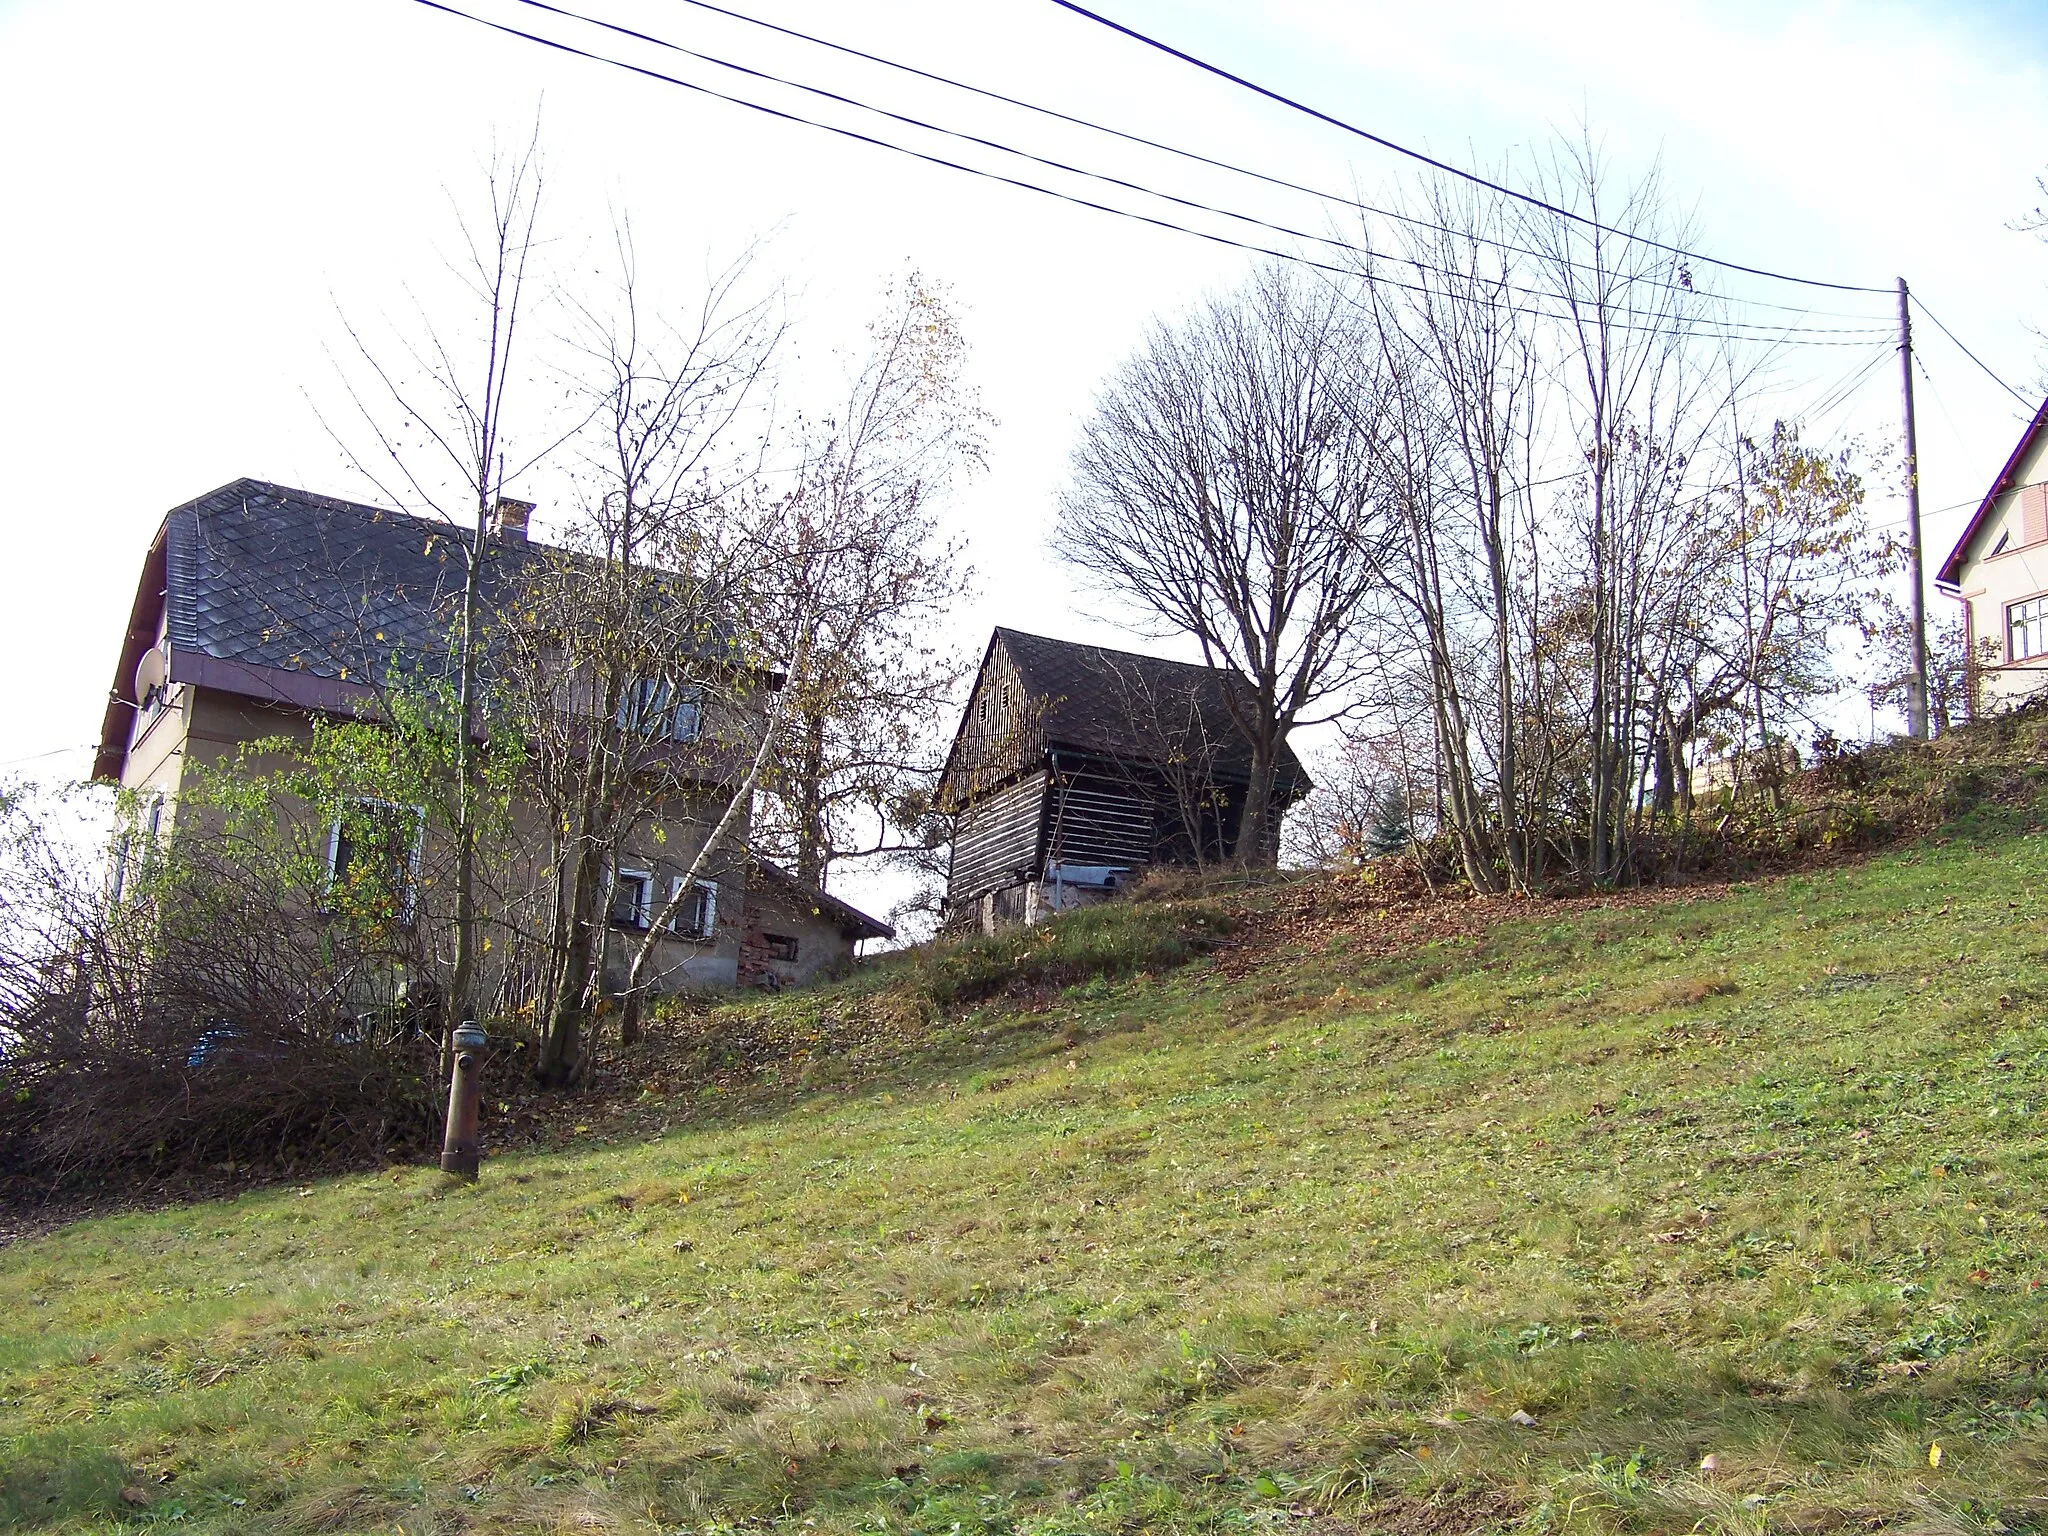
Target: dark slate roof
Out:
[307,601]
[271,577]
[1096,701]
[294,598]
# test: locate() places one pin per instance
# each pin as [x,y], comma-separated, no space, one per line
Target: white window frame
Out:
[117,877]
[659,708]
[643,908]
[707,928]
[133,846]
[408,899]
[2034,624]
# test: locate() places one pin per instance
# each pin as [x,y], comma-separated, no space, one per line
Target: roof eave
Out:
[145,616]
[1951,573]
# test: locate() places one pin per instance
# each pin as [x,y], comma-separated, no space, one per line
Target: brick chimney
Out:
[508,521]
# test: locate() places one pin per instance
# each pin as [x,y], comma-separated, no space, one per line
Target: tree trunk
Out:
[1510,809]
[810,804]
[1255,848]
[462,984]
[634,1001]
[561,1053]
[1663,771]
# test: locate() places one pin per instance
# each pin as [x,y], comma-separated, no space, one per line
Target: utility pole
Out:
[1916,683]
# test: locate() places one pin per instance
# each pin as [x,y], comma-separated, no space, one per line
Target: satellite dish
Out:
[150,675]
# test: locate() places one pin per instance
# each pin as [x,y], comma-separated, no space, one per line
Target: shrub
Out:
[1111,940]
[210,1015]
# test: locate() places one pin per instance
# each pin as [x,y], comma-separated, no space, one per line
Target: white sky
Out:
[187,193]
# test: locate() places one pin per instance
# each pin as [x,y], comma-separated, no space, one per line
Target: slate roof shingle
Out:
[291,597]
[273,577]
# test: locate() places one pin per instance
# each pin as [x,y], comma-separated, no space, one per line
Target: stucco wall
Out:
[1990,584]
[201,727]
[821,949]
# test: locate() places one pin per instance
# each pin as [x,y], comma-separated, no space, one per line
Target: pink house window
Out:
[2026,629]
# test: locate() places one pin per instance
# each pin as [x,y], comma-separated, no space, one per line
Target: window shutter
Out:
[2034,513]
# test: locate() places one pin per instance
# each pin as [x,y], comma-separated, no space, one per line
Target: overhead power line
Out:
[1921,305]
[1840,392]
[1461,173]
[863,138]
[1729,327]
[1193,156]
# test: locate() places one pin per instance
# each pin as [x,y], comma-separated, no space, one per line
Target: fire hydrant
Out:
[465,1087]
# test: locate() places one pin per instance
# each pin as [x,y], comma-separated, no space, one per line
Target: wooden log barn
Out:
[1077,768]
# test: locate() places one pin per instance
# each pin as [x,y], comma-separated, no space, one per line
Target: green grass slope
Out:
[1516,1228]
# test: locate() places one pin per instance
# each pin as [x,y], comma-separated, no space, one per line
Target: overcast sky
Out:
[189,193]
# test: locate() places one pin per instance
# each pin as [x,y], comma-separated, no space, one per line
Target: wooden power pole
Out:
[1916,682]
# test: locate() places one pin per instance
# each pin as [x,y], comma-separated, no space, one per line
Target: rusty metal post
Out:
[465,1088]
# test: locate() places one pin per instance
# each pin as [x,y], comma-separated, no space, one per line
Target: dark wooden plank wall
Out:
[996,841]
[1102,819]
[999,736]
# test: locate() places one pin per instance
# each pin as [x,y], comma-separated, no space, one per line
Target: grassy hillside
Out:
[1435,1223]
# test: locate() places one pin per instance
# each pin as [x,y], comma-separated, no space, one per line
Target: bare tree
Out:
[864,716]
[636,673]
[1223,487]
[1640,402]
[437,416]
[1458,341]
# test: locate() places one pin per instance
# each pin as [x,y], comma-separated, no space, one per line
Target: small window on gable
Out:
[1006,698]
[696,918]
[632,898]
[688,721]
[373,857]
[983,709]
[2004,539]
[2034,512]
[639,706]
[781,946]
